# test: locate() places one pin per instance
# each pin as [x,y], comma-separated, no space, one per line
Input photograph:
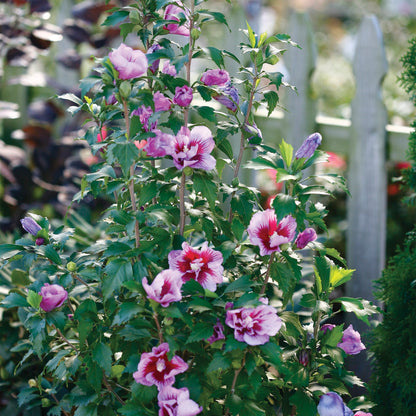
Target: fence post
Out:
[299,119]
[366,234]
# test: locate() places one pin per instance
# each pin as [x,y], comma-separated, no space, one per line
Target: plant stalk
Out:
[182,204]
[266,279]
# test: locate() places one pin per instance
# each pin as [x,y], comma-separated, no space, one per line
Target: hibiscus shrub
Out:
[195,300]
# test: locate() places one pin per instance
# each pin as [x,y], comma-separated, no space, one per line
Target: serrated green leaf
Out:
[272,99]
[123,153]
[102,355]
[284,205]
[200,331]
[339,276]
[127,311]
[286,150]
[362,308]
[206,187]
[219,362]
[14,300]
[242,284]
[118,271]
[50,253]
[34,299]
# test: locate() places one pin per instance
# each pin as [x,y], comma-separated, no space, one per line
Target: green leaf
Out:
[200,331]
[284,205]
[147,192]
[362,308]
[219,362]
[216,56]
[305,405]
[115,18]
[251,36]
[339,276]
[286,150]
[333,337]
[124,153]
[323,269]
[118,271]
[9,250]
[207,113]
[127,311]
[34,299]
[206,187]
[283,175]
[14,300]
[102,355]
[242,284]
[272,98]
[50,253]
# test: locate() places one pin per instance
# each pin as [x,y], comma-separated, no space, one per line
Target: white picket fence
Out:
[367,140]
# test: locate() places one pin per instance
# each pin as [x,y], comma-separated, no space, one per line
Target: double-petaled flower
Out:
[175,12]
[351,341]
[53,296]
[156,369]
[254,326]
[331,404]
[192,148]
[165,288]
[204,265]
[176,402]
[159,144]
[264,231]
[128,62]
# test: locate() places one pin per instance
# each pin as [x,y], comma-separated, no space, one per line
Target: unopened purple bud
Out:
[308,147]
[305,237]
[30,225]
[229,97]
[304,357]
[154,66]
[40,241]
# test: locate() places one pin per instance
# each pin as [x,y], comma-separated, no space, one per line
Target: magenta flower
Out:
[183,96]
[218,77]
[218,333]
[228,97]
[53,296]
[176,402]
[169,69]
[144,113]
[128,62]
[204,265]
[351,341]
[331,404]
[254,326]
[30,225]
[308,147]
[165,288]
[175,12]
[360,413]
[193,148]
[158,145]
[327,327]
[162,103]
[305,237]
[265,232]
[155,368]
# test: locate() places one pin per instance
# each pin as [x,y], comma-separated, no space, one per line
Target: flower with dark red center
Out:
[155,368]
[128,62]
[265,232]
[165,288]
[254,326]
[193,148]
[176,402]
[204,265]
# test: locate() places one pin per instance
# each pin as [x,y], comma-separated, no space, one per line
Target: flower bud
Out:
[125,89]
[30,225]
[308,147]
[71,266]
[32,383]
[40,241]
[195,33]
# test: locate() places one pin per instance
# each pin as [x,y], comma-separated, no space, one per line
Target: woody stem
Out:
[266,279]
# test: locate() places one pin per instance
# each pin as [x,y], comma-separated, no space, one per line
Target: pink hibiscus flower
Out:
[265,232]
[254,326]
[176,402]
[165,288]
[175,12]
[155,368]
[204,265]
[193,148]
[158,145]
[128,62]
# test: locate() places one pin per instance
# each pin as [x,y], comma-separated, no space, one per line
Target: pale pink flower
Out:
[162,103]
[351,341]
[165,288]
[305,237]
[331,404]
[204,265]
[176,12]
[327,327]
[128,62]
[183,96]
[360,413]
[254,326]
[218,77]
[158,145]
[218,333]
[193,148]
[53,296]
[176,402]
[168,69]
[155,368]
[265,232]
